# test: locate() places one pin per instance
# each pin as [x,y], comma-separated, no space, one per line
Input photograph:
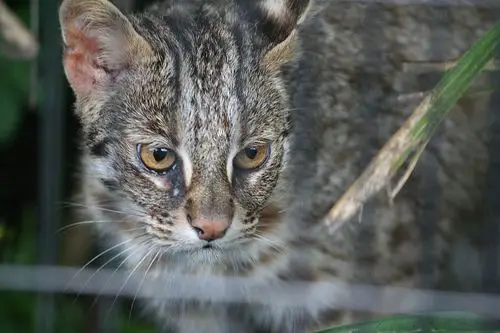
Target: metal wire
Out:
[358,297]
[50,153]
[491,231]
[436,3]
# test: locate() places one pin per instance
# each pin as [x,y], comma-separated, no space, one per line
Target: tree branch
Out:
[15,39]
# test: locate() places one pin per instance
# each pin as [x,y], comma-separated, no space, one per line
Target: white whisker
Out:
[107,209]
[97,257]
[114,272]
[76,224]
[275,244]
[127,279]
[102,266]
[157,256]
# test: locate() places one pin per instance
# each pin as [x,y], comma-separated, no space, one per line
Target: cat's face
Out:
[185,119]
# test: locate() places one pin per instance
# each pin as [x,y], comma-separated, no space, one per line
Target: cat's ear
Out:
[100,43]
[278,20]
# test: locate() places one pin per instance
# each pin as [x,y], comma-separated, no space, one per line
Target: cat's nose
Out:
[210,230]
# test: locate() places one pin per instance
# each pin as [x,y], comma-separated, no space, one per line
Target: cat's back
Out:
[353,85]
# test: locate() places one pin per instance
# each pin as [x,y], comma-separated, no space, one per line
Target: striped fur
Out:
[219,75]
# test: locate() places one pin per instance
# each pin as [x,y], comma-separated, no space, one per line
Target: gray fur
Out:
[208,90]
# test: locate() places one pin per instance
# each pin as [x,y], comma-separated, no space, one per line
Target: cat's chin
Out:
[204,249]
[206,254]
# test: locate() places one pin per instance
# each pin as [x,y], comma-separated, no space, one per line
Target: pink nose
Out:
[210,230]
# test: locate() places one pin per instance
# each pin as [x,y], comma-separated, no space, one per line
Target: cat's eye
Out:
[252,157]
[157,159]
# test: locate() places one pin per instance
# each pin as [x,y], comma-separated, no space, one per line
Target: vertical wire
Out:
[51,138]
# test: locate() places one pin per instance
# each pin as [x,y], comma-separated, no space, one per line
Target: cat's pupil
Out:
[251,152]
[160,153]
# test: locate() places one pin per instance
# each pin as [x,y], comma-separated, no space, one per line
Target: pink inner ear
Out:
[80,60]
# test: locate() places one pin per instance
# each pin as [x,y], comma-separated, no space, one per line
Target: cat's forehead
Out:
[205,34]
[205,80]
[201,72]
[206,93]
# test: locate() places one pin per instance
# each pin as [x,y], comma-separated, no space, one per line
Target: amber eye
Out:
[251,157]
[157,159]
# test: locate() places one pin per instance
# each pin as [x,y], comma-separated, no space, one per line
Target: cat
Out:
[217,134]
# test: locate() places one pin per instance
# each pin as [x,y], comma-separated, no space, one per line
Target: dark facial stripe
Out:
[99,148]
[239,41]
[179,35]
[178,48]
[110,184]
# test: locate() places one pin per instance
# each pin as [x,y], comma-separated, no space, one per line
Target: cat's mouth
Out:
[209,250]
[215,247]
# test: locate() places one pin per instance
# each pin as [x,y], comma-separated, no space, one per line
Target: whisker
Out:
[76,224]
[74,204]
[134,229]
[112,274]
[157,256]
[279,246]
[96,271]
[104,265]
[126,280]
[95,258]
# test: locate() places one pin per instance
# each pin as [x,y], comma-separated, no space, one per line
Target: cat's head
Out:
[184,115]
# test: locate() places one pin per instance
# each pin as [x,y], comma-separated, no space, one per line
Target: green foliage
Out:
[14,85]
[16,312]
[438,323]
[23,251]
[18,309]
[449,90]
[14,88]
[456,81]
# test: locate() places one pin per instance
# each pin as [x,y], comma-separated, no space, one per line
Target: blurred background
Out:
[38,167]
[38,145]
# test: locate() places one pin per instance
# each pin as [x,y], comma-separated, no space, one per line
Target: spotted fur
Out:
[317,81]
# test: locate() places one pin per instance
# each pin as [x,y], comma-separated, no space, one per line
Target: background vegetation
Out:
[19,179]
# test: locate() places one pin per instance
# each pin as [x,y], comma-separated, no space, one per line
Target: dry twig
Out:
[380,171]
[421,66]
[411,139]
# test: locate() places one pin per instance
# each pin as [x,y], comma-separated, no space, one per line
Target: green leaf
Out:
[10,115]
[441,322]
[14,87]
[455,83]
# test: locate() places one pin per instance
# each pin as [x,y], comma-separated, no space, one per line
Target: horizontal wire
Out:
[439,3]
[380,299]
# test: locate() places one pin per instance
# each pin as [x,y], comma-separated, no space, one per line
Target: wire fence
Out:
[436,3]
[356,297]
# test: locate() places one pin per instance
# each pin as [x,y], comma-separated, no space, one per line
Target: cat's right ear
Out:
[278,21]
[100,43]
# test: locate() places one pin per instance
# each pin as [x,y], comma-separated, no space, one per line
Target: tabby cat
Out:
[216,135]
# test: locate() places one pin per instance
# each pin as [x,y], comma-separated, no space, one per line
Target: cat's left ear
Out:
[278,20]
[100,44]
